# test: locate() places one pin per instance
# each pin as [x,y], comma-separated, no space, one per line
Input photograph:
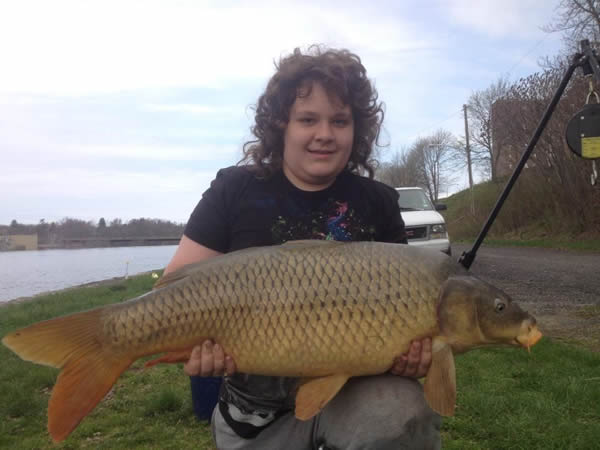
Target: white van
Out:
[424,225]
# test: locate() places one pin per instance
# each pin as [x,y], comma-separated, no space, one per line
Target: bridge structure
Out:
[119,242]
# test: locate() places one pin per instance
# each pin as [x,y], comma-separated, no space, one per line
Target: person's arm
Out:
[189,252]
[207,359]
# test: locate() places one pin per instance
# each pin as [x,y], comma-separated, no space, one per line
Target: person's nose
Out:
[324,132]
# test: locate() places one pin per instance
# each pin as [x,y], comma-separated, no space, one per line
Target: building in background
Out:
[10,242]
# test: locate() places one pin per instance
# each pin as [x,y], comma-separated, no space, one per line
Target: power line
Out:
[441,122]
[526,54]
[516,64]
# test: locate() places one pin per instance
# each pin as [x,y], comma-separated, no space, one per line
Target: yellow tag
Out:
[590,147]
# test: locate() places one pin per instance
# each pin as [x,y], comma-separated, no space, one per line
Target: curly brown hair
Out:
[341,73]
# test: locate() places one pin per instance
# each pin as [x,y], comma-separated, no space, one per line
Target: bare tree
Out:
[433,157]
[479,110]
[425,164]
[401,170]
[576,20]
[393,172]
[459,160]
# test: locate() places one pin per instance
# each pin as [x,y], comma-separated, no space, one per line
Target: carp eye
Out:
[499,305]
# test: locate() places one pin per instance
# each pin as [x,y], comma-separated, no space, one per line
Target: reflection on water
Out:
[32,272]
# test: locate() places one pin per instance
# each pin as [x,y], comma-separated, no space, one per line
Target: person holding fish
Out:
[325,319]
[315,128]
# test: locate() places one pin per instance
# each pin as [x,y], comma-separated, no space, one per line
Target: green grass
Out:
[519,223]
[507,399]
[462,223]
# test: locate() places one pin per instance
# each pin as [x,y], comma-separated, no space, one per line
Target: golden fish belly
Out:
[293,310]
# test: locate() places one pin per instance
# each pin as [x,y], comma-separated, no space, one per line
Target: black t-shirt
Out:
[240,210]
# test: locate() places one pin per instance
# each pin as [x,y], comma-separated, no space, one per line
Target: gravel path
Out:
[560,288]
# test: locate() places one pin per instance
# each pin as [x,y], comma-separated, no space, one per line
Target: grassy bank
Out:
[507,398]
[520,221]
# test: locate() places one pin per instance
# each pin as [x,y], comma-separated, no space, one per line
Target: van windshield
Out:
[414,200]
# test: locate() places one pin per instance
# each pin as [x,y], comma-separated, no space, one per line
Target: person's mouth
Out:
[321,151]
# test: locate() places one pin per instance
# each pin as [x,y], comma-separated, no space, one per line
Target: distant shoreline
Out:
[44,247]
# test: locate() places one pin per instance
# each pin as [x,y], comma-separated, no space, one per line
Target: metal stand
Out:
[588,61]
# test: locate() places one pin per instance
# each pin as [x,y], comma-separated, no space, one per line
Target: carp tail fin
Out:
[72,343]
[440,384]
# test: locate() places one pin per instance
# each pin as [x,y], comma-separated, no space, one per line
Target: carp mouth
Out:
[529,337]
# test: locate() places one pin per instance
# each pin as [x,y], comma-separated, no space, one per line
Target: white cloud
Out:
[190,108]
[506,18]
[202,152]
[74,47]
[91,183]
[68,155]
[91,194]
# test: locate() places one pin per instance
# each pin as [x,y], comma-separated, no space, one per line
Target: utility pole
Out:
[468,149]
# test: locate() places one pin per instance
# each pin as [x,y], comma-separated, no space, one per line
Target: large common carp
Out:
[321,310]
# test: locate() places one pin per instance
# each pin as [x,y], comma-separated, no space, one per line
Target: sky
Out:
[127,109]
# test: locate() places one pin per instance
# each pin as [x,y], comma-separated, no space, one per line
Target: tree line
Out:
[53,233]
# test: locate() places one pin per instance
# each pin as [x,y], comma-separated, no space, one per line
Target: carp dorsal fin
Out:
[305,243]
[184,271]
[191,268]
[313,395]
[440,384]
[169,278]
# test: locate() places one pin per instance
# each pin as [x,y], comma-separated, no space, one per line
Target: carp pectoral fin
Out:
[313,395]
[171,357]
[74,344]
[440,384]
[304,243]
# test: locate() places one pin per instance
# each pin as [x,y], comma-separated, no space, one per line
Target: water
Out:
[27,273]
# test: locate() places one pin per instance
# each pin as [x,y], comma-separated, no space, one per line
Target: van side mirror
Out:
[440,207]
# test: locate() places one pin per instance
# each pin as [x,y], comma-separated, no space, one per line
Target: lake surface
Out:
[27,273]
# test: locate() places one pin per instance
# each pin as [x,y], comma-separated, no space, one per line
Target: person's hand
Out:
[416,362]
[209,360]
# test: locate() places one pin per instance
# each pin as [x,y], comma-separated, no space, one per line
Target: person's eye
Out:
[306,120]
[341,122]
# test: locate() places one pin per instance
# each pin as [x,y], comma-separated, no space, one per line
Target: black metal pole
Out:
[468,257]
[590,65]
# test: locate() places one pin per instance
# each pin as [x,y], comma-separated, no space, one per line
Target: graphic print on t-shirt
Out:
[333,221]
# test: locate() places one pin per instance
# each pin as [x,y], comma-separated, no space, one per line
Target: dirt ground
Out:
[560,288]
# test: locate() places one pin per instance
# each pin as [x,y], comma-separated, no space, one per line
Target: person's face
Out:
[318,139]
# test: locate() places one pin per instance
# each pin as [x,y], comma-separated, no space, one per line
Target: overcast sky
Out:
[128,108]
